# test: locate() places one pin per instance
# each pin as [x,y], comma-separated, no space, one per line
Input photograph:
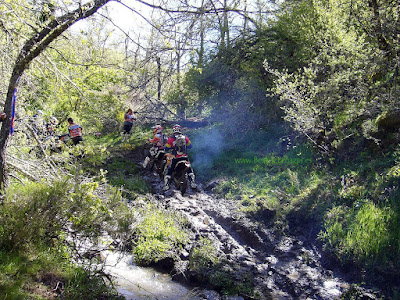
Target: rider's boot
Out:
[146,161]
[193,184]
[166,182]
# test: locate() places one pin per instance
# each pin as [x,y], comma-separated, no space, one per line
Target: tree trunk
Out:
[31,49]
[377,26]
[159,83]
[5,129]
[181,103]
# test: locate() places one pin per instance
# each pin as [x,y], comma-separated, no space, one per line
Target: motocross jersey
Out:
[75,130]
[158,140]
[178,145]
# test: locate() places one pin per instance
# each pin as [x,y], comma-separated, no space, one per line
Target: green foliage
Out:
[84,200]
[13,272]
[44,273]
[93,155]
[330,95]
[223,279]
[233,86]
[360,229]
[367,233]
[30,215]
[158,234]
[203,255]
[39,215]
[78,80]
[35,220]
[334,235]
[83,285]
[293,37]
[133,183]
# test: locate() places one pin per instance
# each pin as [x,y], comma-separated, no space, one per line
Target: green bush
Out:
[369,234]
[94,155]
[35,219]
[81,284]
[39,214]
[44,274]
[31,214]
[158,235]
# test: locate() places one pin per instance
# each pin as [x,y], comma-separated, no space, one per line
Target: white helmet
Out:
[177,129]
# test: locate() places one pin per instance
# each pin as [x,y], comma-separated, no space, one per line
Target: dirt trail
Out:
[281,267]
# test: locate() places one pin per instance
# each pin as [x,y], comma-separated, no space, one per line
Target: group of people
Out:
[175,147]
[48,128]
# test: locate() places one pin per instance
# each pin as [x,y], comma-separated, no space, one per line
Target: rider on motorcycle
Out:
[158,139]
[177,145]
[157,143]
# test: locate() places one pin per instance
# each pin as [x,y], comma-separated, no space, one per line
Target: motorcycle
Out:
[159,162]
[180,175]
[155,160]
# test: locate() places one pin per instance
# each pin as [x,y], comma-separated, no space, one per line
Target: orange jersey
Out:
[158,139]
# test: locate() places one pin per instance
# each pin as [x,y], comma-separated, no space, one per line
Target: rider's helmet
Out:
[177,129]
[53,120]
[157,129]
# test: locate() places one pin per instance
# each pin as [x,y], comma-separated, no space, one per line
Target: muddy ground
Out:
[276,266]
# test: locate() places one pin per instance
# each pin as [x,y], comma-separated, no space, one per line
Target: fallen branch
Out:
[49,162]
[18,169]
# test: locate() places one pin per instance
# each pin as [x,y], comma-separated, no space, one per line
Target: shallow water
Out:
[139,283]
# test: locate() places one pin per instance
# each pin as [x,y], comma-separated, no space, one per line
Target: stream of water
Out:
[139,283]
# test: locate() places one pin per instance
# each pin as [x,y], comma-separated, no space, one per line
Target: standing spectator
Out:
[75,131]
[129,117]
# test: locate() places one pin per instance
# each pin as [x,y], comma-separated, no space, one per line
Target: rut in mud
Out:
[279,267]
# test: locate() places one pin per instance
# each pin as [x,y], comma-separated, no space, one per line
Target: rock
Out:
[210,295]
[184,255]
[389,120]
[232,298]
[211,185]
[166,264]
